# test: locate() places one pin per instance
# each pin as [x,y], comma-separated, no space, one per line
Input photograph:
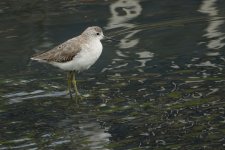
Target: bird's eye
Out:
[98,33]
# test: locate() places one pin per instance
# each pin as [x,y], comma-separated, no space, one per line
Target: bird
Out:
[75,55]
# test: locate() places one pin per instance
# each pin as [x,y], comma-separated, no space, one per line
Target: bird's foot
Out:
[68,92]
[78,95]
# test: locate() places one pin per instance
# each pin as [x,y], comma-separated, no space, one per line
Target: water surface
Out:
[161,87]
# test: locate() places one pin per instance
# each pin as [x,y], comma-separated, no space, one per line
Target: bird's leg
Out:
[75,84]
[69,80]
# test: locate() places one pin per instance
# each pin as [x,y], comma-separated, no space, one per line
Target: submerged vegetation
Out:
[161,87]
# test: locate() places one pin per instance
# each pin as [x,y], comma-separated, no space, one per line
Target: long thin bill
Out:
[109,38]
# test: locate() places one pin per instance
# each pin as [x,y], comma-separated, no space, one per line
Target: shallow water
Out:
[161,87]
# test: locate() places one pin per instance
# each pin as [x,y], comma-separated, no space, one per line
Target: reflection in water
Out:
[215,36]
[144,57]
[122,12]
[97,137]
[21,96]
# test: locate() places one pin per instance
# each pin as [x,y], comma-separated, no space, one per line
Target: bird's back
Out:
[61,53]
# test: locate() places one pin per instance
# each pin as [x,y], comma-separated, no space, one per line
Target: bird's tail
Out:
[37,59]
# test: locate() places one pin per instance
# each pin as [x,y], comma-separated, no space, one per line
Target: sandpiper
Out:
[75,55]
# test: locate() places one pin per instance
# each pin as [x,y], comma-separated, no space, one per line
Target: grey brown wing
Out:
[62,53]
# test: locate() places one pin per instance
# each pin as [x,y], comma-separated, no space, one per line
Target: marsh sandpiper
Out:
[75,55]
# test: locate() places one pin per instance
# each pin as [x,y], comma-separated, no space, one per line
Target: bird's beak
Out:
[110,39]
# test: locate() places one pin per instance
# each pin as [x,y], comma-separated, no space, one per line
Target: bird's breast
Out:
[92,50]
[88,55]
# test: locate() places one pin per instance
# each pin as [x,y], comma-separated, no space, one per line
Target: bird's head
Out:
[94,32]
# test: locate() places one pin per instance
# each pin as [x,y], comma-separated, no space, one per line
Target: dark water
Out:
[161,87]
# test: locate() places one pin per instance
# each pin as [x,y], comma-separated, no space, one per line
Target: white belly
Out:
[84,59]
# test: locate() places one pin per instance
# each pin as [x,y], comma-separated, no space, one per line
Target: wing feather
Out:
[61,53]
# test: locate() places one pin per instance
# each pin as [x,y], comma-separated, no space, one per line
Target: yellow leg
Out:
[75,84]
[69,80]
